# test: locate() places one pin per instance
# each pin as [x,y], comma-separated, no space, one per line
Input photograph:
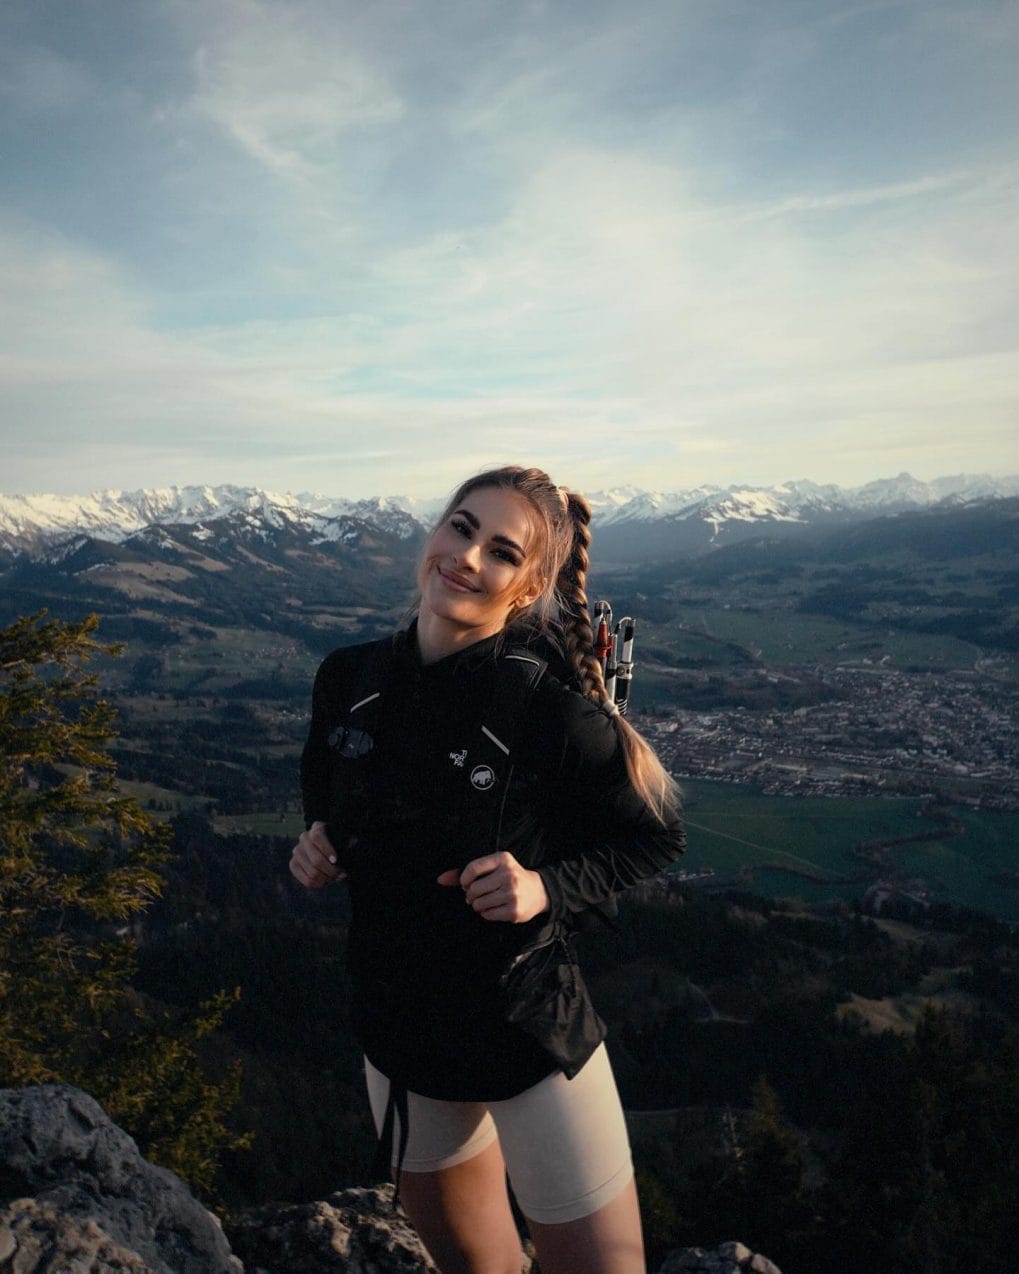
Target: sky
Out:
[369,248]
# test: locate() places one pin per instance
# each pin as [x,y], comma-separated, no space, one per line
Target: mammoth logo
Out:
[483,777]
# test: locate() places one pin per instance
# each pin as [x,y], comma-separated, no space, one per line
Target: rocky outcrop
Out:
[76,1197]
[354,1230]
[39,1237]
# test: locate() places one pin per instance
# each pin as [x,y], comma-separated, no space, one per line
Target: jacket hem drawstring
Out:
[396,1107]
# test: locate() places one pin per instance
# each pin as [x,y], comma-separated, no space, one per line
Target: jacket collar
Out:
[460,662]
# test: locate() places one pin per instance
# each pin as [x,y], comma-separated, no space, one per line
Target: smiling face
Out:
[479,566]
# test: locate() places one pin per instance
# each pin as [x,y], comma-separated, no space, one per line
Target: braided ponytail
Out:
[649,778]
[574,609]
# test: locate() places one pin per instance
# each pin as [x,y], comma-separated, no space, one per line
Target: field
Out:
[901,1013]
[781,636]
[288,824]
[208,667]
[803,847]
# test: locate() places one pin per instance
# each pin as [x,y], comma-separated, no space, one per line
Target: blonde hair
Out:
[559,562]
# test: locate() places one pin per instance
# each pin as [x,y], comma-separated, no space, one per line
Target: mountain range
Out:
[633,520]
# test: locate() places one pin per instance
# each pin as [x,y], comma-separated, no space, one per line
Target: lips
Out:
[457,582]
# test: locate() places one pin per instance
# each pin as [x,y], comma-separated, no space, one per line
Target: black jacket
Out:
[417,775]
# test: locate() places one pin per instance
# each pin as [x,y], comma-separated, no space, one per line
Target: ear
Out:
[530,595]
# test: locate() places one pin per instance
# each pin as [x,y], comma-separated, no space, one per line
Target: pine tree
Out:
[79,861]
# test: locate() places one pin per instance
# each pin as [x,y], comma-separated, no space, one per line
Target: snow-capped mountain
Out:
[794,500]
[631,504]
[32,524]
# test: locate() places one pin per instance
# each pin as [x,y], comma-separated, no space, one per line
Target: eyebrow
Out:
[468,516]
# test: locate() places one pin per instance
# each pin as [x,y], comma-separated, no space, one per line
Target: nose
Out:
[471,557]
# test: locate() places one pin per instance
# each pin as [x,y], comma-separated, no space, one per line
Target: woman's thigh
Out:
[565,1143]
[439,1133]
[453,1182]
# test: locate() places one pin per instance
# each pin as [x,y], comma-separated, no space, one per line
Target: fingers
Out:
[490,892]
[480,877]
[483,867]
[499,888]
[313,861]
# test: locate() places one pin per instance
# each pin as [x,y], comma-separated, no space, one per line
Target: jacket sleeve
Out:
[613,839]
[315,757]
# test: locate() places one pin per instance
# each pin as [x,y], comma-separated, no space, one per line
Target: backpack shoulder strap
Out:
[519,671]
[363,682]
[366,684]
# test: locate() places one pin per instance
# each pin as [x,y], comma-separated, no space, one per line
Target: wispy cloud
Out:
[867,197]
[285,91]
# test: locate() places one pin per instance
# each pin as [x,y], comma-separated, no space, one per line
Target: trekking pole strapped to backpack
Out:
[614,648]
[624,662]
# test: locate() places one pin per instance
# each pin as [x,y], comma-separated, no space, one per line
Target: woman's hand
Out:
[499,888]
[313,861]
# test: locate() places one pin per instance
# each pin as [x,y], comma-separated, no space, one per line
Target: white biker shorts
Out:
[564,1140]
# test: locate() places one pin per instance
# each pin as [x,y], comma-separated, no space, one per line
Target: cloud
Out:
[286,91]
[866,197]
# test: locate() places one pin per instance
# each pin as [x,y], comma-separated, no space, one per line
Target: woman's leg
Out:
[608,1241]
[568,1154]
[463,1215]
[453,1182]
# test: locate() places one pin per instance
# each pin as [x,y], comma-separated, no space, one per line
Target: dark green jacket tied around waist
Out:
[430,767]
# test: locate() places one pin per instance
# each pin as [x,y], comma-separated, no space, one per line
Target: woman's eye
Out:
[506,555]
[462,527]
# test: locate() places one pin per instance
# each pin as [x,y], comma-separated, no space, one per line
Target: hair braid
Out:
[578,634]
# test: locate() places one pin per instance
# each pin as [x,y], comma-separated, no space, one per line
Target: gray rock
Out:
[737,1252]
[761,1265]
[354,1232]
[71,1180]
[727,1258]
[36,1238]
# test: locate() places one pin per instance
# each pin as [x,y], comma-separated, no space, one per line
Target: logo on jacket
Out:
[350,742]
[483,777]
[458,758]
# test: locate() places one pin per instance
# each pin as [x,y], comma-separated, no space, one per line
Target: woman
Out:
[451,765]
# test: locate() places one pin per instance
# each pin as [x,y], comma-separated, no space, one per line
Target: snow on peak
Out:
[748,505]
[906,492]
[631,504]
